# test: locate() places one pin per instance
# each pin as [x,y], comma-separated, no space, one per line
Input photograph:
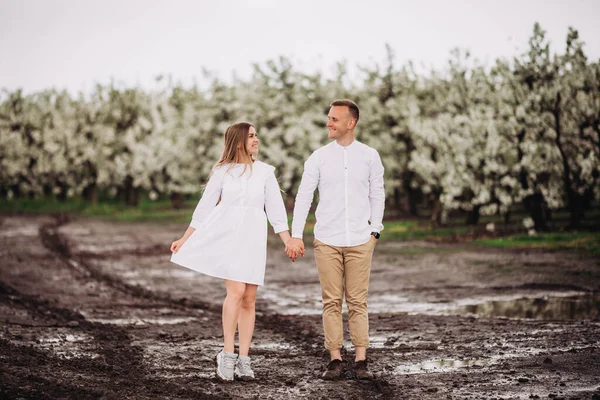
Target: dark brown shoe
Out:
[361,370]
[335,368]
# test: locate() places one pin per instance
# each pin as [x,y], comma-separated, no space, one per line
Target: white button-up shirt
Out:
[351,194]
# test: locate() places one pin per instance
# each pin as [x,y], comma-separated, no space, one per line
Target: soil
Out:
[91,309]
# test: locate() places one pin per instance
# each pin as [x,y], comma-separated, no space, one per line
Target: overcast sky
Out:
[74,43]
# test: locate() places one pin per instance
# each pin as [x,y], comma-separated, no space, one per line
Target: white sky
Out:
[74,43]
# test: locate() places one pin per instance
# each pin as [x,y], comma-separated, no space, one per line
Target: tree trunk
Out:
[16,189]
[473,216]
[133,198]
[413,195]
[90,193]
[413,202]
[533,204]
[131,193]
[397,204]
[571,194]
[436,213]
[536,208]
[47,190]
[506,218]
[290,198]
[176,200]
[62,194]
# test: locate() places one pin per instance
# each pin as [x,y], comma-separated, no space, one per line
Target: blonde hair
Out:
[235,151]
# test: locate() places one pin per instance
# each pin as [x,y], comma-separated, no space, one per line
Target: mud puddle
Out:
[438,365]
[557,308]
[544,305]
[143,321]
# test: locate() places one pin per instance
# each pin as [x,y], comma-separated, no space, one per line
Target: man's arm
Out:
[376,193]
[304,198]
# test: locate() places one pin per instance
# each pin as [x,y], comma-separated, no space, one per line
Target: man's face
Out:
[339,121]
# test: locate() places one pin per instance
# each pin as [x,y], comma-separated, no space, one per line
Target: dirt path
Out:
[91,309]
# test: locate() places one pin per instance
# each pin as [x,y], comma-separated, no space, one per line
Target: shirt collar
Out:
[336,144]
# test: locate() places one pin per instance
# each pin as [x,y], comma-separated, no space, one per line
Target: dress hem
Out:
[216,276]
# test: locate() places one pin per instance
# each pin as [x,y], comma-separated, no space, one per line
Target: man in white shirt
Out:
[349,175]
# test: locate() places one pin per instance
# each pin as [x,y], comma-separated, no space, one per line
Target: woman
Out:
[228,240]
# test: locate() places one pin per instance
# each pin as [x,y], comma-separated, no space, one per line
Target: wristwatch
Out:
[376,234]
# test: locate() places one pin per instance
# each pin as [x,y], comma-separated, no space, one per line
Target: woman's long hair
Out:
[235,151]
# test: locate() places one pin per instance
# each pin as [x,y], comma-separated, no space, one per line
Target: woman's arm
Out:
[176,245]
[207,202]
[274,205]
[285,237]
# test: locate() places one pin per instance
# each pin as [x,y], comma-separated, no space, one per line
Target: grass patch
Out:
[160,211]
[421,250]
[588,242]
[415,230]
[404,230]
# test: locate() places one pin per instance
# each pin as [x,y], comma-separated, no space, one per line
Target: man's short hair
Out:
[347,103]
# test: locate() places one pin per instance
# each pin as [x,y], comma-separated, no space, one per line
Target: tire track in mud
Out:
[59,245]
[20,380]
[36,373]
[302,331]
[118,358]
[117,361]
[297,329]
[40,308]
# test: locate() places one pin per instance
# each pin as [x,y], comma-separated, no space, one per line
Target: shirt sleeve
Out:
[274,206]
[376,193]
[210,197]
[304,198]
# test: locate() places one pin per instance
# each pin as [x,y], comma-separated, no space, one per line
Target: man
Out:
[349,175]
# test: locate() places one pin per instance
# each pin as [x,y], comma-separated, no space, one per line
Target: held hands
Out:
[176,245]
[293,248]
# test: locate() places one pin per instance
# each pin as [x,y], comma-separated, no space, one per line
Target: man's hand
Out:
[294,248]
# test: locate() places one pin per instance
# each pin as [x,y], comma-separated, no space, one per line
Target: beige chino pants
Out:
[344,270]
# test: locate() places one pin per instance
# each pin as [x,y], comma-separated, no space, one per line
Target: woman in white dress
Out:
[227,238]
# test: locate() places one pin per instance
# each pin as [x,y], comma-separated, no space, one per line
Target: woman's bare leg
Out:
[231,312]
[246,318]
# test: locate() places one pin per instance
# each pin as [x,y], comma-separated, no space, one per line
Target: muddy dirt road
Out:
[91,309]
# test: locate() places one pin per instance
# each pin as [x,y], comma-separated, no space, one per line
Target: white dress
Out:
[230,240]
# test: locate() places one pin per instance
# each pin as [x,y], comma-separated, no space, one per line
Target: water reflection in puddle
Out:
[442,365]
[271,346]
[68,345]
[143,321]
[559,306]
[64,338]
[437,365]
[20,231]
[581,307]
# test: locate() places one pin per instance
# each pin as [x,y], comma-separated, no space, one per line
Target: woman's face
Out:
[252,141]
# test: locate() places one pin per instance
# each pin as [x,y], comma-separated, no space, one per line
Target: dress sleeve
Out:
[274,204]
[209,199]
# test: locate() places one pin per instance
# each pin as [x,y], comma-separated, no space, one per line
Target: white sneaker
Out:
[243,369]
[226,365]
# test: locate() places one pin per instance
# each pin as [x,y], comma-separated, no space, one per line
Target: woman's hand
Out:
[294,247]
[176,245]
